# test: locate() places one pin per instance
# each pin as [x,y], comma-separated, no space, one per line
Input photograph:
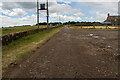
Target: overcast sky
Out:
[24,13]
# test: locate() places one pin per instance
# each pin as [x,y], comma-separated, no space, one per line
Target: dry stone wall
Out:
[9,38]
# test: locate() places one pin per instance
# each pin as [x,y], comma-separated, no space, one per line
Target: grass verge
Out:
[16,50]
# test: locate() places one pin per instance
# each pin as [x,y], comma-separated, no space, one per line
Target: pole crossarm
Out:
[42,9]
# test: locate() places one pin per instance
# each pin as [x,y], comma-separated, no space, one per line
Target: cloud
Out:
[67,2]
[56,16]
[119,8]
[14,12]
[9,21]
[99,17]
[53,7]
[101,10]
[22,5]
[62,0]
[26,20]
[27,5]
[17,12]
[94,0]
[65,17]
[111,7]
[65,9]
[1,4]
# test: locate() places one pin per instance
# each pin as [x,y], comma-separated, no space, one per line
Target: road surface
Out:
[72,53]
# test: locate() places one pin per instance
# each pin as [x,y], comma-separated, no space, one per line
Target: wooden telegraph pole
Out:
[38,13]
[59,20]
[47,15]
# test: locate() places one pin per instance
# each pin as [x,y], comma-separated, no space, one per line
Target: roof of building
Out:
[114,17]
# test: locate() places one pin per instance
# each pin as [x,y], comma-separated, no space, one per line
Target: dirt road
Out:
[72,53]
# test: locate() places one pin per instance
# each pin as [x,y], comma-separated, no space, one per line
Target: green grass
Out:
[11,30]
[17,49]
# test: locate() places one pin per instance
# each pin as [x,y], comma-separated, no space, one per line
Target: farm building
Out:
[113,20]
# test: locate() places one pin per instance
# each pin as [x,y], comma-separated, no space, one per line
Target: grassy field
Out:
[16,50]
[11,30]
[96,27]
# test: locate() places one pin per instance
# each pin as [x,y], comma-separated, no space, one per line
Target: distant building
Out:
[113,20]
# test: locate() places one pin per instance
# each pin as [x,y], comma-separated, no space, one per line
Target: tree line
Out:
[73,23]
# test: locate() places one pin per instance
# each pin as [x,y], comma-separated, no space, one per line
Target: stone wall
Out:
[9,38]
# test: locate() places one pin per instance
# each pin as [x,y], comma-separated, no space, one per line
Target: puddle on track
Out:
[94,36]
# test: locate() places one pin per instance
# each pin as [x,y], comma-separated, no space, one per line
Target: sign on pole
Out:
[42,7]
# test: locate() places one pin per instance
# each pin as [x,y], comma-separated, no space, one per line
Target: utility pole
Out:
[47,15]
[59,20]
[38,13]
[42,8]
